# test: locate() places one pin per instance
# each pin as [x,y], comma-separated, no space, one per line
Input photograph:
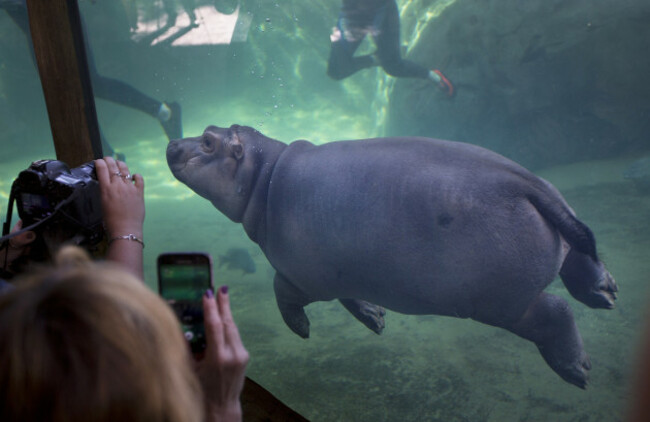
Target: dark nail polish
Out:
[224,290]
[209,294]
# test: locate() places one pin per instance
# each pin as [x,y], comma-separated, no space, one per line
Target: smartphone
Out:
[183,278]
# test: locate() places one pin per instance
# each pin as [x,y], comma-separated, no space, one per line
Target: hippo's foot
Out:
[574,372]
[588,281]
[291,302]
[371,315]
[548,322]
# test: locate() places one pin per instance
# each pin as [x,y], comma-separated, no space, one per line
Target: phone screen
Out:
[183,279]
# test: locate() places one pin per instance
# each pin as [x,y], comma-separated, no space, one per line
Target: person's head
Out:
[89,342]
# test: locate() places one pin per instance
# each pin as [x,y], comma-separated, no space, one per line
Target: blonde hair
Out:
[89,342]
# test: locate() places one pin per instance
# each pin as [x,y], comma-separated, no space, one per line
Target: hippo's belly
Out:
[409,247]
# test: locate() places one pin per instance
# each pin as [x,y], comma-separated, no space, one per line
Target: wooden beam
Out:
[57,35]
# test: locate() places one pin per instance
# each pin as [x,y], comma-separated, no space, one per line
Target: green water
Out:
[422,368]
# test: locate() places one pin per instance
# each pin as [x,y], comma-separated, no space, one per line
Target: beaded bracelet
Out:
[127,237]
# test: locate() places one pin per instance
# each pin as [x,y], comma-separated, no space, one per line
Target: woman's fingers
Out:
[107,170]
[102,171]
[224,304]
[139,182]
[222,335]
[231,333]
[124,171]
[23,239]
[122,167]
[113,169]
[213,323]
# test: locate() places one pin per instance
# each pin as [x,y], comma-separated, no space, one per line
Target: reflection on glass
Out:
[180,25]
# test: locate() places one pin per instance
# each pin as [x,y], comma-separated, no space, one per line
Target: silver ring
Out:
[128,177]
[117,173]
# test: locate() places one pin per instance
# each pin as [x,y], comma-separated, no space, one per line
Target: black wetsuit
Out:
[379,19]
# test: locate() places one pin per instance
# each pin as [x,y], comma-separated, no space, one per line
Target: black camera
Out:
[49,194]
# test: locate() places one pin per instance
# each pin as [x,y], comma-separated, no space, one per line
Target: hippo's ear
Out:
[236,147]
[237,150]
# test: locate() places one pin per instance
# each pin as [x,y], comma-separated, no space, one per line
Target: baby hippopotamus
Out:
[414,225]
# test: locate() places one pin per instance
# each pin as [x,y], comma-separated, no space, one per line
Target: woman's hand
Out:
[17,245]
[222,369]
[123,208]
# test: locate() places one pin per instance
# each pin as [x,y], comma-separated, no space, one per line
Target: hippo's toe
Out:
[571,366]
[604,293]
[371,315]
[588,281]
[577,374]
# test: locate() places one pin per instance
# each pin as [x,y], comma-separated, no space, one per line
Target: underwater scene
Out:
[559,87]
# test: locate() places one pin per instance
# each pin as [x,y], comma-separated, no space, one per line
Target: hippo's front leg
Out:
[291,302]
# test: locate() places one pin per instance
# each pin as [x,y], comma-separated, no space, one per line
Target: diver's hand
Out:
[222,369]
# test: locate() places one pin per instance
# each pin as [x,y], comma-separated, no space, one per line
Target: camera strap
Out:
[10,207]
[5,228]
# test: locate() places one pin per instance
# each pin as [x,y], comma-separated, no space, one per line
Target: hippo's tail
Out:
[574,231]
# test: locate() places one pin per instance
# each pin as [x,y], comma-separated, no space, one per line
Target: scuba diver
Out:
[380,20]
[113,90]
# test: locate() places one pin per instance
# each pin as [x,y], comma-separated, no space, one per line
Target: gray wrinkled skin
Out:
[415,225]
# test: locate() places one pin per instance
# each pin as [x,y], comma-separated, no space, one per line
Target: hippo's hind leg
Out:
[371,315]
[548,322]
[588,281]
[291,302]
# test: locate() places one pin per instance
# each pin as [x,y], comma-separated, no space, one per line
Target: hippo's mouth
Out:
[178,170]
[177,167]
[183,168]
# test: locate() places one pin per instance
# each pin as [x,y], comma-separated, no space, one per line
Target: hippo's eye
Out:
[206,143]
